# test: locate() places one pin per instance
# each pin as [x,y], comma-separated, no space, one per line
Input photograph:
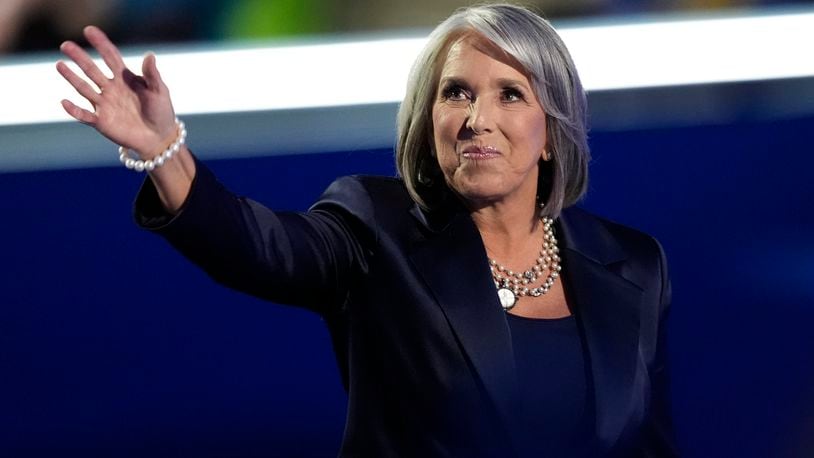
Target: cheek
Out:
[445,132]
[442,122]
[530,135]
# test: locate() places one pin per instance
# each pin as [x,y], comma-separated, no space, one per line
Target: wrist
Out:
[157,158]
[158,144]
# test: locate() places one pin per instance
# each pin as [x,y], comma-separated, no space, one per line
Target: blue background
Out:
[111,344]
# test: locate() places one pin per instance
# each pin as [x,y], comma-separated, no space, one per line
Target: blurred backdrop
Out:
[111,344]
[41,25]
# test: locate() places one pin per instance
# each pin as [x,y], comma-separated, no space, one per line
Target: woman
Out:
[473,310]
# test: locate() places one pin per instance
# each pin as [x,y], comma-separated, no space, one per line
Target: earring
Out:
[424,179]
[541,209]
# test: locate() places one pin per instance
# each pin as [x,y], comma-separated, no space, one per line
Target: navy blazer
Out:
[417,328]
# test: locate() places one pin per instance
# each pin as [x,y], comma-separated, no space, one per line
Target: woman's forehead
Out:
[475,41]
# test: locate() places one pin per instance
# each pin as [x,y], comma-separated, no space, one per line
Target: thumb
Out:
[150,71]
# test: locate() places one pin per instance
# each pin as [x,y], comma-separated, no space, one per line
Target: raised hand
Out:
[132,111]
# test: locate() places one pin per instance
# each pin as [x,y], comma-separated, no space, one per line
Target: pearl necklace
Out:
[511,286]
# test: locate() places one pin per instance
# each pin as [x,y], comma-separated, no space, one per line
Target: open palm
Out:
[132,111]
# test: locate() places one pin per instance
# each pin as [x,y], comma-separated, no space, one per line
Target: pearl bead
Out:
[140,166]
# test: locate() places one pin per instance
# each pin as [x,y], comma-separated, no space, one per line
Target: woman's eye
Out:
[454,93]
[512,95]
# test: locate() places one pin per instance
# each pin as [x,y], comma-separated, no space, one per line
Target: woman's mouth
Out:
[480,152]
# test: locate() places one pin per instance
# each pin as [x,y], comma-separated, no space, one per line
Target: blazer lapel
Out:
[453,263]
[607,307]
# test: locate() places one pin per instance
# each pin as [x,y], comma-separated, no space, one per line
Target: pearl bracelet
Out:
[139,166]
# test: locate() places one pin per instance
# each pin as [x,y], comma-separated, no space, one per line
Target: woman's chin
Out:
[479,195]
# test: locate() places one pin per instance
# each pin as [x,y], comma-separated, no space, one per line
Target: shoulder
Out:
[633,254]
[366,201]
[596,231]
[376,186]
[362,194]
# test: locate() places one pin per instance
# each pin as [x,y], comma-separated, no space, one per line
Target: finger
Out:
[80,114]
[109,52]
[82,87]
[150,71]
[83,60]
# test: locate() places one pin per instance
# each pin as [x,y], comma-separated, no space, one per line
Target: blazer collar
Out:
[582,232]
[453,262]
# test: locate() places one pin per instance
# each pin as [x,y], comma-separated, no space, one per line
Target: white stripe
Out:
[608,57]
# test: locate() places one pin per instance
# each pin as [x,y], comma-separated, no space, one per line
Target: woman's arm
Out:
[307,259]
[132,111]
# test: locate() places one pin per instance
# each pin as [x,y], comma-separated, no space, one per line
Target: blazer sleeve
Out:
[306,259]
[659,439]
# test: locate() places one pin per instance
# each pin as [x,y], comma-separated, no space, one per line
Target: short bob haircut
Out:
[534,43]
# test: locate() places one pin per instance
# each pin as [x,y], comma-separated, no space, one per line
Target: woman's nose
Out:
[479,117]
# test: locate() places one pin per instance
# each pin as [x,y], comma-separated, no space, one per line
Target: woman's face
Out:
[489,130]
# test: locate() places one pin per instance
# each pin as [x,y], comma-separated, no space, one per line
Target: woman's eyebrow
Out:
[512,82]
[500,82]
[453,80]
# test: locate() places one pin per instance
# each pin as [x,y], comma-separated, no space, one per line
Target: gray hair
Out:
[534,43]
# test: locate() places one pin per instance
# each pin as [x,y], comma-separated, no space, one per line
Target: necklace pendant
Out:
[507,298]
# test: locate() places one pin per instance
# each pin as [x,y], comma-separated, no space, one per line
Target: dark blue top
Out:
[556,416]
